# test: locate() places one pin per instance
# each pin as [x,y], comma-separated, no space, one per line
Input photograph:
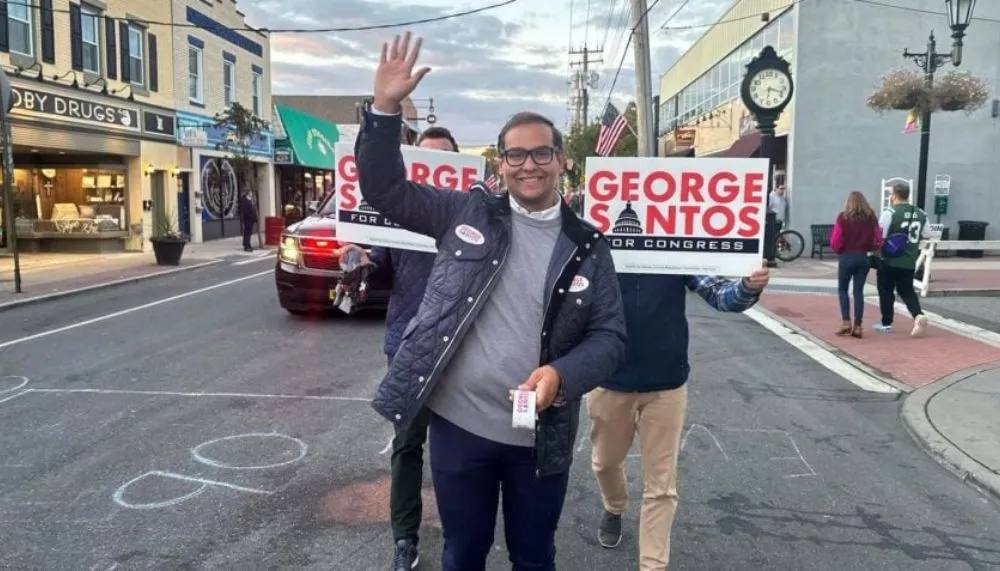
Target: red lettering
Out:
[691,183]
[689,211]
[469,176]
[347,169]
[648,187]
[754,186]
[658,219]
[599,215]
[720,191]
[750,220]
[630,186]
[711,217]
[600,190]
[348,198]
[419,173]
[444,177]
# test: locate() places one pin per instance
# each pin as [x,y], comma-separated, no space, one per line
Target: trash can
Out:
[971,230]
[273,227]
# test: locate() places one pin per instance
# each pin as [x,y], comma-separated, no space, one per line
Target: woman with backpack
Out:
[856,233]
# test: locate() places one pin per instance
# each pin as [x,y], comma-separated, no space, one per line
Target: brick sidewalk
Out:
[915,362]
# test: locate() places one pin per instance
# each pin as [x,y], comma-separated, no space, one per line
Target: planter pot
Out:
[168,250]
[906,103]
[952,105]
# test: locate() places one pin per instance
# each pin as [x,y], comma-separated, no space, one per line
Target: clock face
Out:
[770,88]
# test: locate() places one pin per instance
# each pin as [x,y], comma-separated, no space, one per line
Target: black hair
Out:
[529,118]
[437,133]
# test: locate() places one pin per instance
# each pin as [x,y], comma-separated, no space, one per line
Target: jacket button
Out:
[458,252]
[470,300]
[420,380]
[578,258]
[544,333]
[587,246]
[596,235]
[399,417]
[579,301]
[495,262]
[445,338]
[561,291]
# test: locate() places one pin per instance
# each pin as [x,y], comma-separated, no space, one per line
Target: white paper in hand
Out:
[524,410]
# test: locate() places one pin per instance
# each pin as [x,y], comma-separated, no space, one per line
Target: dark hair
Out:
[437,133]
[901,191]
[529,118]
[858,208]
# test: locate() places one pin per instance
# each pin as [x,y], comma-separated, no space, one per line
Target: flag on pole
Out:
[493,183]
[613,124]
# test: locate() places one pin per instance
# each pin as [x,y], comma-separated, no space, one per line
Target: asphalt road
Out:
[980,311]
[148,427]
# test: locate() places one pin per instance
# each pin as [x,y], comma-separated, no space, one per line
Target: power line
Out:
[286,30]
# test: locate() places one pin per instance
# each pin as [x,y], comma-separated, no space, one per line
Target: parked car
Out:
[307,268]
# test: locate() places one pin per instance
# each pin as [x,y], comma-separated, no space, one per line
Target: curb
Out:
[917,422]
[782,288]
[104,285]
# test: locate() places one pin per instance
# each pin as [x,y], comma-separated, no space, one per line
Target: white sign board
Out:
[359,223]
[887,184]
[942,185]
[680,215]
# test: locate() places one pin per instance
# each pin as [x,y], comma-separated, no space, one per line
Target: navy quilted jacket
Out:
[583,332]
[408,271]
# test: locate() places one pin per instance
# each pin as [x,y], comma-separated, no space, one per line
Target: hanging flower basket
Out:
[957,91]
[901,90]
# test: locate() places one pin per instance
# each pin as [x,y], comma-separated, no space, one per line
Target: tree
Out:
[242,127]
[582,142]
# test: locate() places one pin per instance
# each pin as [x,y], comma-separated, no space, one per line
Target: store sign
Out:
[159,124]
[193,136]
[684,137]
[95,113]
[283,156]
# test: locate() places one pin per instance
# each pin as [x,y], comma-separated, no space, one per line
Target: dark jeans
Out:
[405,502]
[469,473]
[892,281]
[852,267]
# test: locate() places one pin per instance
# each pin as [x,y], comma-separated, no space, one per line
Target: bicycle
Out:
[789,245]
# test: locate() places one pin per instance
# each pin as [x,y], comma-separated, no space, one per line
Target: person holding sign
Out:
[522,299]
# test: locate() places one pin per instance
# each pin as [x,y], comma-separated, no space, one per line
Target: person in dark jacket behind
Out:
[648,396]
[522,295]
[855,234]
[248,217]
[408,271]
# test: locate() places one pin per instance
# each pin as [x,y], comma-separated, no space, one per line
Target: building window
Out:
[91,40]
[196,65]
[19,27]
[228,83]
[257,84]
[136,55]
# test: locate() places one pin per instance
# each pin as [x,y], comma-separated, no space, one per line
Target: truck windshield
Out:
[328,207]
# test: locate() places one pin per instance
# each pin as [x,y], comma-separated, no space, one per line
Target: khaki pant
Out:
[658,417]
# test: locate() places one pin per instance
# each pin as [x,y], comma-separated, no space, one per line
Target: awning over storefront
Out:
[682,152]
[745,147]
[310,138]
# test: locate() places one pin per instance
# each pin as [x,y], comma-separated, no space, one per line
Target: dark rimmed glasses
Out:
[540,155]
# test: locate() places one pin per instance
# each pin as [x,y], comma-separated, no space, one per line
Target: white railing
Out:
[928,249]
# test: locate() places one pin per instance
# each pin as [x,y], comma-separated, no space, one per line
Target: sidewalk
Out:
[953,379]
[48,276]
[949,276]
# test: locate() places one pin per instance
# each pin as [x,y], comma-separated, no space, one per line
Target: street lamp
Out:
[959,16]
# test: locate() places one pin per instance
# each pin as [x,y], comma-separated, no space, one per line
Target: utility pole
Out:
[643,81]
[584,80]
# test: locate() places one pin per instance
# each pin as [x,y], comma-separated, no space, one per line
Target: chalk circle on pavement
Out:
[293,447]
[5,379]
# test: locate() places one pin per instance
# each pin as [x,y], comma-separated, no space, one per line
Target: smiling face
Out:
[531,164]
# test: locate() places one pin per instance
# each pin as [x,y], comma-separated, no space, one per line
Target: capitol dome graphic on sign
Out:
[363,207]
[628,222]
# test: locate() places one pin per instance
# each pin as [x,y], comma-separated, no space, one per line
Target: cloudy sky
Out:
[485,66]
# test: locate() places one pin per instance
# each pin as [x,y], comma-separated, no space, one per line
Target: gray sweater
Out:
[503,345]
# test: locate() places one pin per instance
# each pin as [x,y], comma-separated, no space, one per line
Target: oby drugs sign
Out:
[680,215]
[360,223]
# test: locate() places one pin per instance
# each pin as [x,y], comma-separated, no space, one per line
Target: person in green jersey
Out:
[896,274]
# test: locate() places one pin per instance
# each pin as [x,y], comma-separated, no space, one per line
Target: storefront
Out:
[208,181]
[304,161]
[81,175]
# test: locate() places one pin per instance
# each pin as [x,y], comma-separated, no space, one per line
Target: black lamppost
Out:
[959,16]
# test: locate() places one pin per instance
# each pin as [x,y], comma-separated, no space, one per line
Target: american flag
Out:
[613,124]
[493,183]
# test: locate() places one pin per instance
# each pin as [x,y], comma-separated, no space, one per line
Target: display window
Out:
[69,201]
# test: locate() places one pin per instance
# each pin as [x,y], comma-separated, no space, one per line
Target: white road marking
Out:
[84,323]
[197,394]
[820,355]
[954,326]
[258,258]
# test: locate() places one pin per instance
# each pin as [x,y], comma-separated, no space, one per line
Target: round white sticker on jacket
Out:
[470,235]
[579,284]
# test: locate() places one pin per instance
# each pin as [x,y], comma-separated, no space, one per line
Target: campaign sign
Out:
[360,223]
[680,215]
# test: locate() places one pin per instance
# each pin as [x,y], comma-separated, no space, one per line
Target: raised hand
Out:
[394,77]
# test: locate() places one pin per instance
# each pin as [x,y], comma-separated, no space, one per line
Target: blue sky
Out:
[485,66]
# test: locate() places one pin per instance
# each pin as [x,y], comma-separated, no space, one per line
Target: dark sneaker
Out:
[610,534]
[406,556]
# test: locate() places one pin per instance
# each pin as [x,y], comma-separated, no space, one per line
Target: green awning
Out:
[310,137]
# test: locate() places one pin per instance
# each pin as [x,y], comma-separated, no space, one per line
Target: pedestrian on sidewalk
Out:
[408,271]
[903,226]
[856,234]
[248,218]
[648,396]
[522,295]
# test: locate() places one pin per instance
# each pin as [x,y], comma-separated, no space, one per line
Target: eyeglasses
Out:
[540,155]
